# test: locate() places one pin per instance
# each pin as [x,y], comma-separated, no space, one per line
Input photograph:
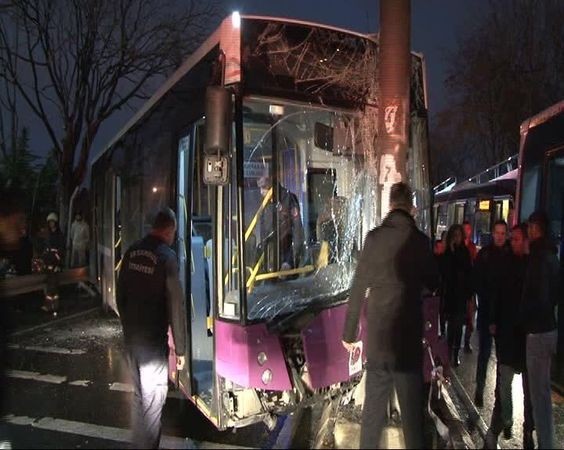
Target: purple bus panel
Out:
[327,359]
[439,347]
[237,351]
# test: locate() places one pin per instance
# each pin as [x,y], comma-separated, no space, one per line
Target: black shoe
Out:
[528,441]
[467,348]
[490,442]
[479,400]
[455,359]
[507,432]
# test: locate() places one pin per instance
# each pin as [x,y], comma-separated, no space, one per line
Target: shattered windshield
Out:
[303,196]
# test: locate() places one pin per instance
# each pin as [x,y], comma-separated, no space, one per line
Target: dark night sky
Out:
[435,24]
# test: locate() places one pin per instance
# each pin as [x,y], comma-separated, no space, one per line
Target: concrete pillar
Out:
[393,77]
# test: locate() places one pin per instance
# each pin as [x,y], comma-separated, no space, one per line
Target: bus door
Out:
[554,206]
[111,250]
[117,243]
[483,221]
[322,188]
[554,197]
[195,254]
[459,212]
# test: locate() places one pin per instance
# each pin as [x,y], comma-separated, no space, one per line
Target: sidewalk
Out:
[24,311]
[466,375]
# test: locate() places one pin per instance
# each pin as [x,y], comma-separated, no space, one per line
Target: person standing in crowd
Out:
[395,264]
[12,219]
[53,257]
[55,238]
[149,299]
[487,270]
[438,250]
[471,304]
[510,343]
[80,239]
[440,245]
[456,268]
[19,259]
[24,255]
[541,291]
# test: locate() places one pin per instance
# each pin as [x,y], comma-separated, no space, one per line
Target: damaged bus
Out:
[262,142]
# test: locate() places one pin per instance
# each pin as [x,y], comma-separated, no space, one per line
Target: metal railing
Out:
[489,174]
[496,171]
[23,284]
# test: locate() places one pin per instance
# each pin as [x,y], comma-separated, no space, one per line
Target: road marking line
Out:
[52,323]
[25,375]
[127,387]
[81,383]
[37,348]
[121,387]
[56,379]
[104,432]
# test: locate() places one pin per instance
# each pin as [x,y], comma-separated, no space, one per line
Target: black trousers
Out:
[409,387]
[454,331]
[484,354]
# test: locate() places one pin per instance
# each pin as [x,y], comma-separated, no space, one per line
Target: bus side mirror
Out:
[218,135]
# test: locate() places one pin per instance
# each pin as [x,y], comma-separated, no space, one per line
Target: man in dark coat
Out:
[396,263]
[509,343]
[541,292]
[487,272]
[149,298]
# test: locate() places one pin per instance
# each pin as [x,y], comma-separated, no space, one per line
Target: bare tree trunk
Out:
[394,73]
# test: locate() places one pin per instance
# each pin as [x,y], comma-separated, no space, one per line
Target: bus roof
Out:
[467,190]
[542,117]
[511,175]
[213,40]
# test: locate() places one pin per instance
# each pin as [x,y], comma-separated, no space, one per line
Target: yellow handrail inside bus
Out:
[284,273]
[254,271]
[253,223]
[250,230]
[118,242]
[322,261]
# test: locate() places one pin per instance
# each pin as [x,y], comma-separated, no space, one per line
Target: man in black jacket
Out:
[541,290]
[505,326]
[487,272]
[149,298]
[395,264]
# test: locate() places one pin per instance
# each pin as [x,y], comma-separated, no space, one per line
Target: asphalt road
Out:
[68,386]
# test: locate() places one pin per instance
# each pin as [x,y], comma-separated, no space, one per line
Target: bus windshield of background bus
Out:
[302,206]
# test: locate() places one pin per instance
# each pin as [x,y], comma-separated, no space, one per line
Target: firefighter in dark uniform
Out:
[149,298]
[285,211]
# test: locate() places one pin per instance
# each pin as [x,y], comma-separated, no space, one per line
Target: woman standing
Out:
[456,267]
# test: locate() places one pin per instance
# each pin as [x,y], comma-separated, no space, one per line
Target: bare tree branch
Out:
[79,62]
[498,77]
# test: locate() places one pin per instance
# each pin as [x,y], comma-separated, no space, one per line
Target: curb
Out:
[557,387]
[474,413]
[53,322]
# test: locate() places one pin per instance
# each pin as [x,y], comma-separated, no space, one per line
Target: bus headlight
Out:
[267,376]
[261,358]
